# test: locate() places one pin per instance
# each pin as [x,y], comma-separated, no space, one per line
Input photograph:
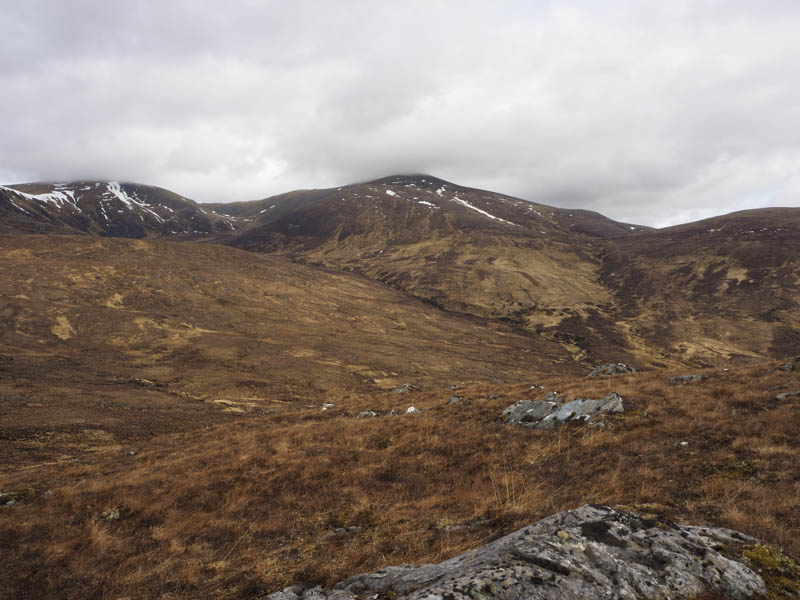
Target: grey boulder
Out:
[592,552]
[788,395]
[790,365]
[549,414]
[611,369]
[554,396]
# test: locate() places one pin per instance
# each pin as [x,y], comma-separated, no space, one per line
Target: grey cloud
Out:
[646,111]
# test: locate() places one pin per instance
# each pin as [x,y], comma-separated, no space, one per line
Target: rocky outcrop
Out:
[554,410]
[403,389]
[586,553]
[790,366]
[369,414]
[611,369]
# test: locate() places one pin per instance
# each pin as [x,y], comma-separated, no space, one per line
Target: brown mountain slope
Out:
[702,293]
[104,208]
[84,321]
[604,290]
[722,288]
[466,250]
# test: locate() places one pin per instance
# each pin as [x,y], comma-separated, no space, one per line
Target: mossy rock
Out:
[781,574]
[647,510]
[764,557]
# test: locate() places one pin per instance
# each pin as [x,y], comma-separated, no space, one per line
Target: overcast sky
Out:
[651,112]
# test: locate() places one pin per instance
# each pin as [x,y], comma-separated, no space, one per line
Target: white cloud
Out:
[646,111]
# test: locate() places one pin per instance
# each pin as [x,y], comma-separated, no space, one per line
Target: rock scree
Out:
[611,369]
[403,389]
[554,410]
[585,553]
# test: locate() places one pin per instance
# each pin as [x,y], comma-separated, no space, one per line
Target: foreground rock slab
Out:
[587,553]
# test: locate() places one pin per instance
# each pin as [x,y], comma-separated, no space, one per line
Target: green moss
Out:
[781,574]
[111,514]
[764,557]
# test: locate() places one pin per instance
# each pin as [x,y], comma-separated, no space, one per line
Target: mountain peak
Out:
[418,179]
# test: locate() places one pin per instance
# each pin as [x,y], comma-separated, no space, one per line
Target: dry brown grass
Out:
[245,508]
[115,338]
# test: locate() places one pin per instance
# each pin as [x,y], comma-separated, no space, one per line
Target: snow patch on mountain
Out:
[18,207]
[115,190]
[483,212]
[60,196]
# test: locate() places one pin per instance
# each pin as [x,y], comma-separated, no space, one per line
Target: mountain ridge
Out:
[603,290]
[108,208]
[244,207]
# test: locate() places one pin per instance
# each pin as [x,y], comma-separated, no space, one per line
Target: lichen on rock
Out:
[590,552]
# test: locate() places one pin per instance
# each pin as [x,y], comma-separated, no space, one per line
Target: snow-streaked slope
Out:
[105,208]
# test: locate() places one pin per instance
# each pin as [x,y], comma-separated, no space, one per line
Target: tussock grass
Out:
[242,509]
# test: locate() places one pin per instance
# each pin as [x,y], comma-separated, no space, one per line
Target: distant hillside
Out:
[463,249]
[415,199]
[207,317]
[705,293]
[721,288]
